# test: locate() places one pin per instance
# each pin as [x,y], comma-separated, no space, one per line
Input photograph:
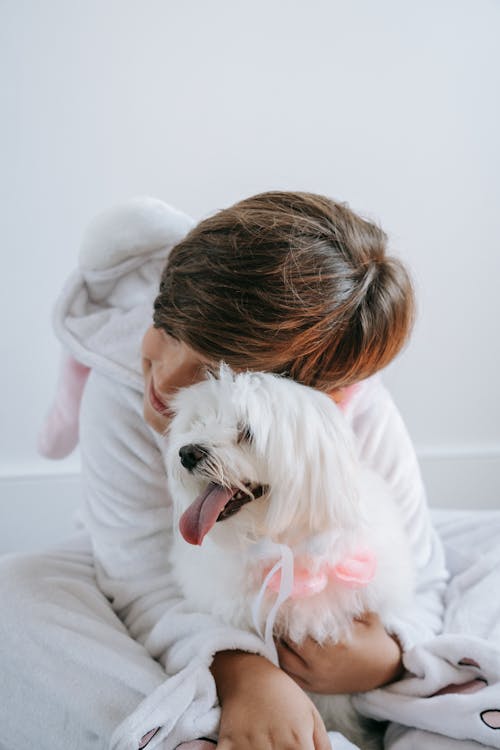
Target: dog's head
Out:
[258,455]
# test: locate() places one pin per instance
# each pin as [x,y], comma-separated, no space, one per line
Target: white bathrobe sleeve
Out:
[384,444]
[128,513]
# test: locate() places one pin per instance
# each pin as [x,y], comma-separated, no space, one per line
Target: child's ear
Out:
[58,435]
[336,395]
[343,396]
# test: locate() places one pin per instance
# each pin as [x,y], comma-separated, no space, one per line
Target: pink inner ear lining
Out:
[491,718]
[466,662]
[467,687]
[146,739]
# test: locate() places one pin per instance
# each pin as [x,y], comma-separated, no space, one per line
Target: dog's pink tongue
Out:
[201,515]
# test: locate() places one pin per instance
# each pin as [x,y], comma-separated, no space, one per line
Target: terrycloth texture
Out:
[70,672]
[401,738]
[105,306]
[102,307]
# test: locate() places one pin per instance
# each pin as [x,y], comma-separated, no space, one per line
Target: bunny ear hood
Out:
[106,305]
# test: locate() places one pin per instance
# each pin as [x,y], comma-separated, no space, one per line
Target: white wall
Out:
[391,105]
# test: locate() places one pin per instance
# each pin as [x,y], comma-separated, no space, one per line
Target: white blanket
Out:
[452,686]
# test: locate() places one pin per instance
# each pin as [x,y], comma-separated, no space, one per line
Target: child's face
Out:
[167,364]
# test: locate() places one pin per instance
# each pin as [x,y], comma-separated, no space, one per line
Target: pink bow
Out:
[355,571]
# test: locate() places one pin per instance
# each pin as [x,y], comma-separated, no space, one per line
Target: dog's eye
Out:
[244,433]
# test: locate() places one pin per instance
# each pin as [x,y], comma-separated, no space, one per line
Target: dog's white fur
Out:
[321,502]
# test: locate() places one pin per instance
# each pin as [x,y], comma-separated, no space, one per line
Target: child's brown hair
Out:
[289,282]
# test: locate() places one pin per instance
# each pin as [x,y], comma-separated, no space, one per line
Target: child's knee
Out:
[21,580]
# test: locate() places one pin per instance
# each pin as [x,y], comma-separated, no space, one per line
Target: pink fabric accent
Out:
[59,433]
[197,745]
[355,571]
[467,687]
[466,662]
[145,740]
[305,583]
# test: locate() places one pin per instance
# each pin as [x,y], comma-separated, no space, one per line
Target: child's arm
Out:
[384,444]
[262,707]
[259,703]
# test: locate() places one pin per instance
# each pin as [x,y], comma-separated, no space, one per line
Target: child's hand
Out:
[261,707]
[371,659]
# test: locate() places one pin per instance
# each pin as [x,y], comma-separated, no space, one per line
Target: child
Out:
[97,642]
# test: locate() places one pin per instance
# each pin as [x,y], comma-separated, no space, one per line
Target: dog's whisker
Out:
[214,470]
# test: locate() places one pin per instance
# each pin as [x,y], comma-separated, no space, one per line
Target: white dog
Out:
[277,521]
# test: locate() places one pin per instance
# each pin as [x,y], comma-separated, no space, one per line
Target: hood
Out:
[107,303]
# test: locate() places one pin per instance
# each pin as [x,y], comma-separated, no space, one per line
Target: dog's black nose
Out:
[190,455]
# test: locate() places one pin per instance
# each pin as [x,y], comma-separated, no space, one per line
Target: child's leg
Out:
[70,672]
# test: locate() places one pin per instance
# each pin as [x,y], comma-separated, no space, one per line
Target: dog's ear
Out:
[340,468]
[312,461]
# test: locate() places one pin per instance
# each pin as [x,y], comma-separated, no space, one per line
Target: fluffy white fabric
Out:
[106,304]
[133,229]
